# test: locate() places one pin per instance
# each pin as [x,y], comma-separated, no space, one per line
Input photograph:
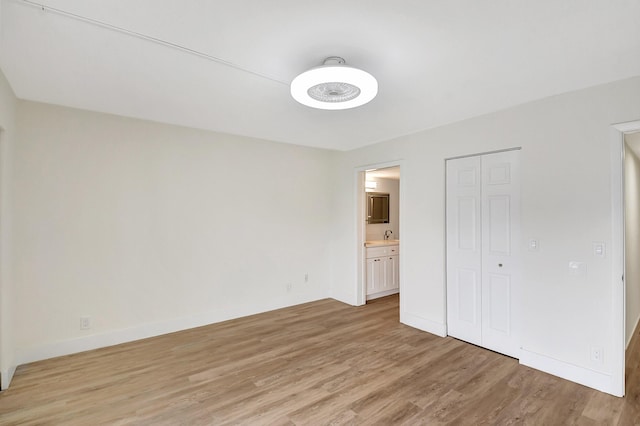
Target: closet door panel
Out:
[500,213]
[464,250]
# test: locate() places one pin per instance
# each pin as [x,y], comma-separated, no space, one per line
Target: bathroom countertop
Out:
[379,243]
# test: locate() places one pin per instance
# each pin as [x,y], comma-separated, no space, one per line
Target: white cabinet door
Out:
[482,234]
[374,275]
[387,272]
[464,257]
[391,273]
[382,274]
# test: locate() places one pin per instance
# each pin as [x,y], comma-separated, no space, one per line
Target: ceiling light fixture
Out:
[334,85]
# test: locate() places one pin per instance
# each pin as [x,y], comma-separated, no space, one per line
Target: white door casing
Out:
[482,250]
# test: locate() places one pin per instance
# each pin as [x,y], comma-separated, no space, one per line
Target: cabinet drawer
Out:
[382,251]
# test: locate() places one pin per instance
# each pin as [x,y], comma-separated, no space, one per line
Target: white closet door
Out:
[464,261]
[482,234]
[500,227]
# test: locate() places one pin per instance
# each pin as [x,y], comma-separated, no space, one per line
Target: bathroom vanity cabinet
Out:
[383,276]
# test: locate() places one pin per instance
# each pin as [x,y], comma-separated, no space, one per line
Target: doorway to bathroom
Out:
[379,232]
[382,232]
[625,184]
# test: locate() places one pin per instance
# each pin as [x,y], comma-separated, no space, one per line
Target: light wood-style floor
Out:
[313,364]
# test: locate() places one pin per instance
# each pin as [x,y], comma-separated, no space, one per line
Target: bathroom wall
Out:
[375,231]
[8,361]
[632,235]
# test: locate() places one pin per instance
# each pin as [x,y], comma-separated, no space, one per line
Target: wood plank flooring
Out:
[314,364]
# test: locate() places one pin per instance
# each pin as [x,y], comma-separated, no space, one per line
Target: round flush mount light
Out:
[334,85]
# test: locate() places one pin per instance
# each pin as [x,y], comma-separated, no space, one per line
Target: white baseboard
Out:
[594,379]
[383,294]
[423,324]
[7,376]
[343,298]
[584,376]
[143,331]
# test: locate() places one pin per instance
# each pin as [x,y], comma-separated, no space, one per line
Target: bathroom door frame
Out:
[616,138]
[7,366]
[361,227]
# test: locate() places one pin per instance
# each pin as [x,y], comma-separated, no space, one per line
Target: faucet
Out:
[387,234]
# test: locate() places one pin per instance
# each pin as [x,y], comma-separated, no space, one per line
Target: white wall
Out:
[375,231]
[150,228]
[632,236]
[7,135]
[566,205]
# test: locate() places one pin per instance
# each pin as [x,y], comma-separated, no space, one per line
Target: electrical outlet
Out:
[289,286]
[596,354]
[85,323]
[306,278]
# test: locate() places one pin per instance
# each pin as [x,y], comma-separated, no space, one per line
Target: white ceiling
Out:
[436,61]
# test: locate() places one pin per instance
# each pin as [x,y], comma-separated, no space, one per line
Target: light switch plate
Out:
[534,245]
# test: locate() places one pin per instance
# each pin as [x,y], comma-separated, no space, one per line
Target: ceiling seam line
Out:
[156,40]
